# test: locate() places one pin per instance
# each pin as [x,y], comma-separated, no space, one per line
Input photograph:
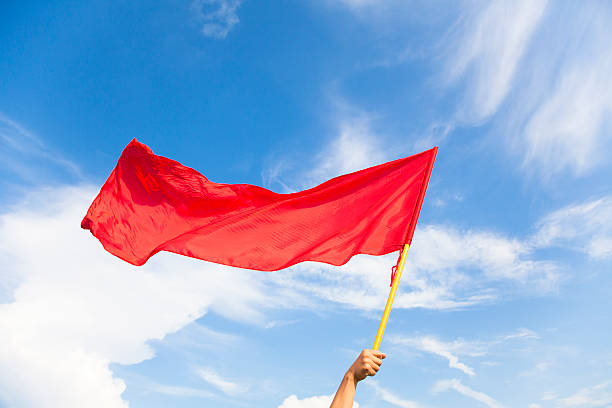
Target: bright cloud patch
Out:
[76,309]
[355,148]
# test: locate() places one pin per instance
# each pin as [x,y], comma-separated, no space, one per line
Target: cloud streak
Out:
[25,156]
[391,398]
[491,43]
[213,378]
[457,385]
[584,226]
[432,345]
[542,70]
[599,395]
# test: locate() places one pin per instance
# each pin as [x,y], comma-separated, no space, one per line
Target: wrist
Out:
[349,377]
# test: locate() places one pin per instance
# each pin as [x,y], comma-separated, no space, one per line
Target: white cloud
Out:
[569,127]
[213,378]
[217,17]
[454,384]
[323,401]
[490,43]
[442,249]
[596,396]
[548,66]
[456,349]
[435,346]
[521,333]
[586,226]
[446,269]
[76,309]
[391,398]
[355,147]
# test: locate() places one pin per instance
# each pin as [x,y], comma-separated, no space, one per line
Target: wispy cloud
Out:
[391,398]
[354,146]
[457,385]
[599,395]
[490,43]
[543,67]
[521,333]
[435,346]
[26,156]
[584,226]
[217,17]
[457,349]
[433,135]
[213,378]
[568,127]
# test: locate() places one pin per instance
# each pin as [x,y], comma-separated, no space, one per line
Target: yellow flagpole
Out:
[385,316]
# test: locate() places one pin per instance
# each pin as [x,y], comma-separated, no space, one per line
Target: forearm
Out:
[346,392]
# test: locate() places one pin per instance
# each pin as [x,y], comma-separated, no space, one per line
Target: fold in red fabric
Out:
[150,203]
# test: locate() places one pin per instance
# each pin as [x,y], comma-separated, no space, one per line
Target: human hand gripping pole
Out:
[367,364]
[369,361]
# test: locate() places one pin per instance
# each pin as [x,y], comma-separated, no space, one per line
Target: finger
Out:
[371,372]
[373,361]
[379,354]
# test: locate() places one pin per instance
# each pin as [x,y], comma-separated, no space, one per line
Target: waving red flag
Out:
[150,203]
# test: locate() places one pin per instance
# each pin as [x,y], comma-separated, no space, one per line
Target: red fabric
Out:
[150,203]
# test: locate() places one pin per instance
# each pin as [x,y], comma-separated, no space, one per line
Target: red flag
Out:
[150,203]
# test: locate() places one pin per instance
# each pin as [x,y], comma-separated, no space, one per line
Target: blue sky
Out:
[505,300]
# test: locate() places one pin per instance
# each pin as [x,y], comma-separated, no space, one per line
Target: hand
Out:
[367,364]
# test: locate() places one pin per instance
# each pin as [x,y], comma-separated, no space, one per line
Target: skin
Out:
[367,364]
